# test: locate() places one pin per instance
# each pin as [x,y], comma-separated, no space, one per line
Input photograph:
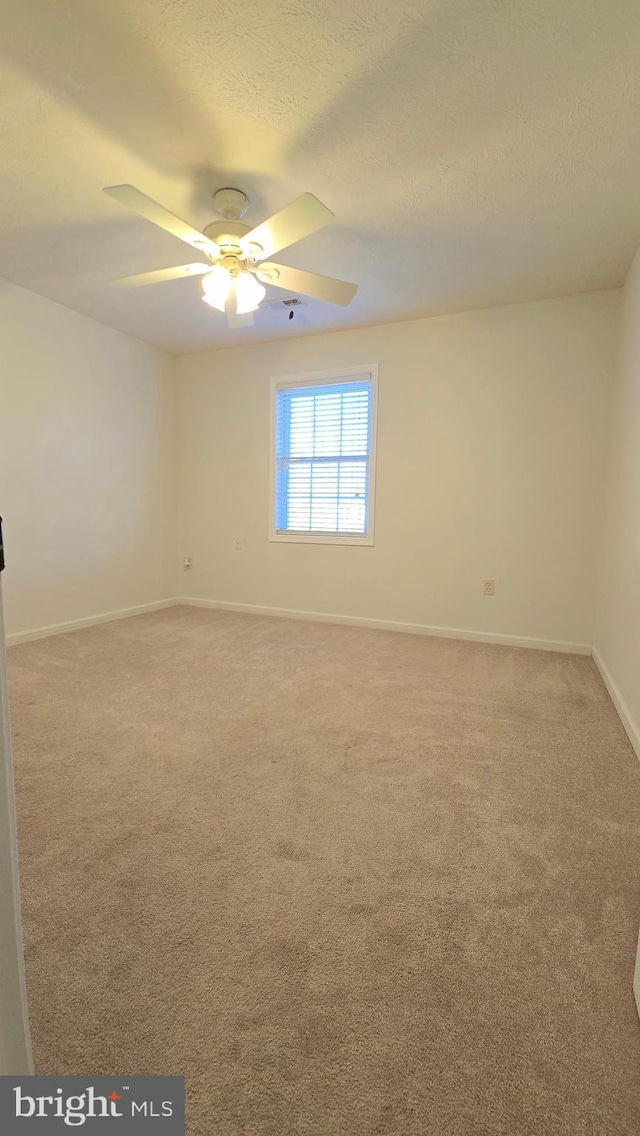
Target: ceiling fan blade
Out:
[308,283]
[245,320]
[139,203]
[162,274]
[302,217]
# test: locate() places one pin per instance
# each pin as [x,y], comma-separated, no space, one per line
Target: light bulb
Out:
[249,293]
[216,286]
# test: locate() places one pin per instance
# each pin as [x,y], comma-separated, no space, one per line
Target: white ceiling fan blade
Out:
[139,203]
[308,283]
[302,217]
[245,320]
[161,274]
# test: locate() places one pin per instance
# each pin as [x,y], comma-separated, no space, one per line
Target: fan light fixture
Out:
[249,293]
[219,285]
[216,286]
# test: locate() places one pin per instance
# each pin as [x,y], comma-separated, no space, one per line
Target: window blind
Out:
[323,435]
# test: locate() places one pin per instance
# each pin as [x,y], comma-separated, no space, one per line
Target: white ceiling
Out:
[475,152]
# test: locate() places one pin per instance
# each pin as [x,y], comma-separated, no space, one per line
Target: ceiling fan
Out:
[237,266]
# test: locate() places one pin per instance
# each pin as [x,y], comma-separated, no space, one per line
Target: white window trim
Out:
[312,378]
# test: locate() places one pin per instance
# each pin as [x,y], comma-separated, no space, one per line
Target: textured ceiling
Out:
[475,152]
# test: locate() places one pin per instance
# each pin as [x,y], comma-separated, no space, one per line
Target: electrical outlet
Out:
[238,546]
[187,562]
[488,587]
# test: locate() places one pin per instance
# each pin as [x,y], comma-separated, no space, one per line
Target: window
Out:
[323,452]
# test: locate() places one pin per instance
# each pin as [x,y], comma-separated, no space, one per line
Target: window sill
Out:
[322,538]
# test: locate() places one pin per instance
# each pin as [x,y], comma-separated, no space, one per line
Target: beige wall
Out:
[87,465]
[617,638]
[491,456]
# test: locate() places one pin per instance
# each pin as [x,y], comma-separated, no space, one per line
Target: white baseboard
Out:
[623,710]
[393,625]
[77,624]
[313,616]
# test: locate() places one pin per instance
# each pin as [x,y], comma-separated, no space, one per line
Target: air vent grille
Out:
[287,303]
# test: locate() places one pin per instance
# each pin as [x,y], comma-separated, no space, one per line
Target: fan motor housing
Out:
[226,234]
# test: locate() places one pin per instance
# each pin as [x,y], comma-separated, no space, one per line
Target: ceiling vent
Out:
[289,302]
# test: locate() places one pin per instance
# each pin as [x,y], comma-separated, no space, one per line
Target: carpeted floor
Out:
[350,883]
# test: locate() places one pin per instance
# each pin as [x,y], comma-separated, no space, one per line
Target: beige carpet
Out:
[348,882]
